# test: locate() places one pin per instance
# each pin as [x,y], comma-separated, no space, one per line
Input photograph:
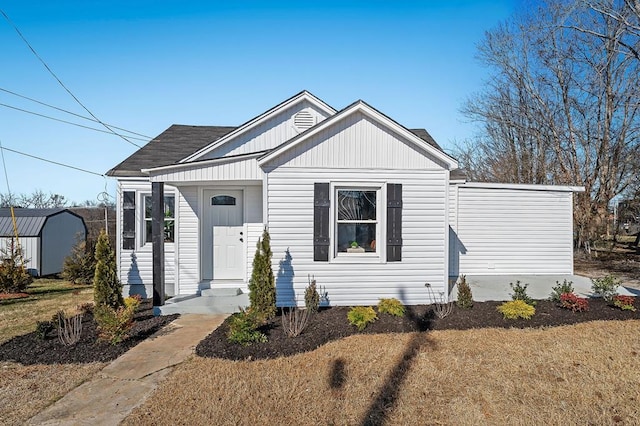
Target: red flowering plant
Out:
[573,302]
[624,302]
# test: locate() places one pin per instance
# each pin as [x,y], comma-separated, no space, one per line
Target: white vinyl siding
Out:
[237,169]
[356,142]
[30,251]
[514,231]
[270,133]
[424,220]
[188,241]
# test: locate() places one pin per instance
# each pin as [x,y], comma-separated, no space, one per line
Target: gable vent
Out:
[303,120]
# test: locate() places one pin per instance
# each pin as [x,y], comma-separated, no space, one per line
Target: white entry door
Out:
[227,232]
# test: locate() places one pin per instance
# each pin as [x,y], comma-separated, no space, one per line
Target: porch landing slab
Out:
[205,304]
[496,287]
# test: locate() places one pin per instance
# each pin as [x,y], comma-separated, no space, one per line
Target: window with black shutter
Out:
[128,220]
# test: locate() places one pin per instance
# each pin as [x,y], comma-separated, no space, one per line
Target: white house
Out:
[370,208]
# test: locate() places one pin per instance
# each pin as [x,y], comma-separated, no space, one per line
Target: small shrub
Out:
[243,327]
[85,308]
[69,328]
[114,324]
[43,328]
[262,288]
[624,302]
[14,277]
[80,266]
[392,307]
[361,316]
[520,293]
[606,287]
[573,302]
[560,289]
[440,308]
[106,285]
[295,320]
[311,296]
[465,298]
[516,309]
[133,302]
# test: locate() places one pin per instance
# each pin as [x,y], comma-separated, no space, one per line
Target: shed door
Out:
[225,210]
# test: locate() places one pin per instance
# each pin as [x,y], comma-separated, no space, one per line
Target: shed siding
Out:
[30,252]
[236,170]
[269,134]
[424,223]
[135,266]
[511,231]
[59,234]
[356,142]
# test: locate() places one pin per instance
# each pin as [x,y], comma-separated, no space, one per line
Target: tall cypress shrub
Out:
[262,286]
[107,289]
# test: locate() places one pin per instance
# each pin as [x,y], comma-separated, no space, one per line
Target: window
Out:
[223,200]
[169,218]
[357,220]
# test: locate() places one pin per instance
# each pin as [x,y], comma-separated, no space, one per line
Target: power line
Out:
[61,83]
[64,121]
[71,113]
[4,148]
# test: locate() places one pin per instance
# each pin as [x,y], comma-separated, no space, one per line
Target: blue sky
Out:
[144,65]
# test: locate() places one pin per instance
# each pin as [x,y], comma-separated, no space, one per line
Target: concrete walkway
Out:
[129,380]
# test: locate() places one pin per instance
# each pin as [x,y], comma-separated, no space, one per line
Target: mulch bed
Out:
[11,296]
[29,349]
[331,324]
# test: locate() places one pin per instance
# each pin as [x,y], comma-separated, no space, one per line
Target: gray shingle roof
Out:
[179,141]
[29,221]
[169,147]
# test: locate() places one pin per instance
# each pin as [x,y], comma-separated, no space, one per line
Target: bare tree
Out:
[37,200]
[561,107]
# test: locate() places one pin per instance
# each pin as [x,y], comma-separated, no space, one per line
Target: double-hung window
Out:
[357,220]
[169,218]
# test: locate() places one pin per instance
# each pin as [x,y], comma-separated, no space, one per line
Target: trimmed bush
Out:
[516,309]
[520,293]
[391,306]
[107,289]
[311,296]
[606,287]
[560,289]
[465,298]
[573,302]
[114,324]
[262,287]
[243,327]
[361,316]
[14,277]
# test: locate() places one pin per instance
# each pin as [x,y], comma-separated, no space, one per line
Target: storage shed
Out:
[46,236]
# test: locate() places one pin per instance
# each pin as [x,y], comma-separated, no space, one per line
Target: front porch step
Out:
[220,292]
[206,304]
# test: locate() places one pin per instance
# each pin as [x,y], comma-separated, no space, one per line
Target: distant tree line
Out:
[39,199]
[561,105]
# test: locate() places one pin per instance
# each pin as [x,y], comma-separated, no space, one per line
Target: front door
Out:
[226,219]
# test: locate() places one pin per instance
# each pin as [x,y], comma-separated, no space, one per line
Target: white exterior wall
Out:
[424,232]
[234,170]
[268,134]
[59,235]
[136,266]
[514,231]
[30,252]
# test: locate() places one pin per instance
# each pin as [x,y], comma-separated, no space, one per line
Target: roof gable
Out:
[419,139]
[301,98]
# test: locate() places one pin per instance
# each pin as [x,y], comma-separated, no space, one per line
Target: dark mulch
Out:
[11,296]
[331,324]
[30,349]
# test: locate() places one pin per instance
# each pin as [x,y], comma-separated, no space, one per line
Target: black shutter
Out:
[321,222]
[128,220]
[394,222]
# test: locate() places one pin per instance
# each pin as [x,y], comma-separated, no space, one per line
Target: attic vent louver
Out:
[303,120]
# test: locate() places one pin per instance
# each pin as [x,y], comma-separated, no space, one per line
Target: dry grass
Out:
[27,390]
[47,296]
[582,374]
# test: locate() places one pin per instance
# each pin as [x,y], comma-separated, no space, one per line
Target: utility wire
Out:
[64,121]
[61,83]
[72,113]
[4,148]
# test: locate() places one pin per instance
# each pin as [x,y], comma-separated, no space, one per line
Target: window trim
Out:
[143,218]
[379,256]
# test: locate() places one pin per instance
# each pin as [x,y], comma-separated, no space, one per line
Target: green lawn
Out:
[46,297]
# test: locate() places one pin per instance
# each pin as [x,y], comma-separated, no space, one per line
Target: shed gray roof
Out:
[179,141]
[29,221]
